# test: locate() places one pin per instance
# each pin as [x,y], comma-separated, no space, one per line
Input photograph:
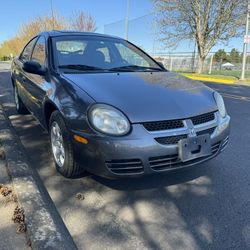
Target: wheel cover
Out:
[57,144]
[16,98]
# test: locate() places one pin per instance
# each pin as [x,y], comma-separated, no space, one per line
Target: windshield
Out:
[85,53]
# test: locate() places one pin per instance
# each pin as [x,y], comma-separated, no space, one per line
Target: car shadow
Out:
[156,180]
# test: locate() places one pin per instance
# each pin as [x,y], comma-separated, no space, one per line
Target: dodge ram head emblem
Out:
[192,132]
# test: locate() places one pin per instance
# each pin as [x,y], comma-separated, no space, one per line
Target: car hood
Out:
[147,96]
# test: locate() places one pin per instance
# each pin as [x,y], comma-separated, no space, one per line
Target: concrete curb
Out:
[9,239]
[45,227]
[243,83]
[209,79]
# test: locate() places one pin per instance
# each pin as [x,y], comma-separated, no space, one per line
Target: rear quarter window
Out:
[26,54]
[39,52]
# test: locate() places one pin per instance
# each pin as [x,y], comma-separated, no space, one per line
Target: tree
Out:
[41,23]
[221,56]
[79,21]
[206,21]
[235,56]
[11,46]
[29,30]
[82,22]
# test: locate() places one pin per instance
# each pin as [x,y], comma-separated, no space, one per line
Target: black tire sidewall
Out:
[67,169]
[21,109]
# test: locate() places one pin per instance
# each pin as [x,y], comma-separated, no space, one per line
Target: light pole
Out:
[126,21]
[52,14]
[246,40]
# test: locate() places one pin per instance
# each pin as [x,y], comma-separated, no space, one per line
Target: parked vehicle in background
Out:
[112,110]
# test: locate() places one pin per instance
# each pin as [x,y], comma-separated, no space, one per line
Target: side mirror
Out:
[34,68]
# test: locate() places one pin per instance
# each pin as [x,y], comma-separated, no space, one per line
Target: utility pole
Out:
[52,14]
[246,40]
[126,21]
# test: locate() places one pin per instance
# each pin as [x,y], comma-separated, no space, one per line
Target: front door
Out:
[36,84]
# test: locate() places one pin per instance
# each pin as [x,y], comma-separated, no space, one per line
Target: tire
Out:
[62,143]
[20,107]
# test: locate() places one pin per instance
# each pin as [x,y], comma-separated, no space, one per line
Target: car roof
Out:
[57,33]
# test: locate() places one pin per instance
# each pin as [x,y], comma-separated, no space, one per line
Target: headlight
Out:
[108,120]
[220,103]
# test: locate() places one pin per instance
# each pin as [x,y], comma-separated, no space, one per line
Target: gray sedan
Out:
[114,111]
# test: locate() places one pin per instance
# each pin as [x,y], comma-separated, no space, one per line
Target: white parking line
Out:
[237,97]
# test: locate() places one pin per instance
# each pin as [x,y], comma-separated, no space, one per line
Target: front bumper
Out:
[139,153]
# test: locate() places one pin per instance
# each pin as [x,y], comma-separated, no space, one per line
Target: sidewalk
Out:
[5,65]
[44,226]
[9,238]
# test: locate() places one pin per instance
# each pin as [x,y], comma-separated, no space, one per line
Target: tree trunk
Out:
[201,61]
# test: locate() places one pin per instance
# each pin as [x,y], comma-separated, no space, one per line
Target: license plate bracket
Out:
[194,147]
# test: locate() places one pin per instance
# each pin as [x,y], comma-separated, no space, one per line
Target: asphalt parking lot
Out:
[205,207]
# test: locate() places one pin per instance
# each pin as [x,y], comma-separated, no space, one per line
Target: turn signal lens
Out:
[81,139]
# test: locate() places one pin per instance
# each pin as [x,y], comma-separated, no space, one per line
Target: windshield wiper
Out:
[79,67]
[134,68]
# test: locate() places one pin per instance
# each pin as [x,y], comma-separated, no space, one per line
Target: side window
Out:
[39,52]
[25,56]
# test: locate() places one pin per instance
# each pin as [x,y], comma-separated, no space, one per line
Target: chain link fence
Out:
[188,62]
[144,32]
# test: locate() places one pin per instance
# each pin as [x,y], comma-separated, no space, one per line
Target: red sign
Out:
[246,39]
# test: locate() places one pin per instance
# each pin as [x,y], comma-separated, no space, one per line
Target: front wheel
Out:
[62,147]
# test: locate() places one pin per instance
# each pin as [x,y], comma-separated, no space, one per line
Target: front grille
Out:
[206,131]
[162,163]
[175,124]
[131,166]
[168,140]
[224,143]
[163,125]
[215,147]
[200,119]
